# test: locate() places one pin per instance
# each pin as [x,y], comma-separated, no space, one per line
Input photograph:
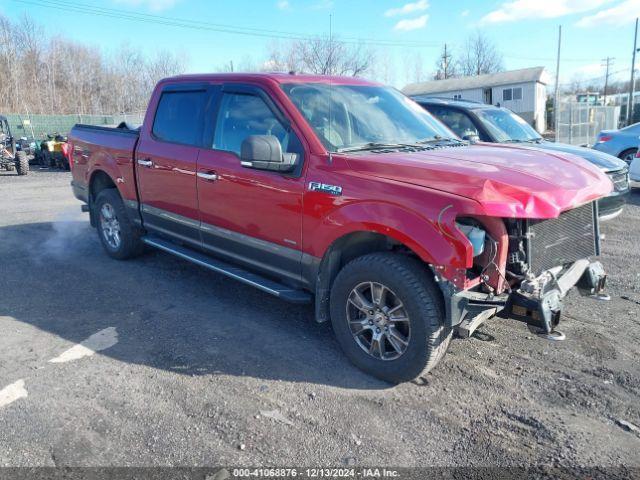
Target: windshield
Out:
[347,117]
[506,126]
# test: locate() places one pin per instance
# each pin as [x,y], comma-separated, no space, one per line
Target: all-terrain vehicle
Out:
[29,147]
[10,157]
[54,152]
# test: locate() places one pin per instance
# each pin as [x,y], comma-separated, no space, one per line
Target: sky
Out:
[401,33]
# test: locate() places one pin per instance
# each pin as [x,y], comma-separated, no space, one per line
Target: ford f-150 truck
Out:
[347,194]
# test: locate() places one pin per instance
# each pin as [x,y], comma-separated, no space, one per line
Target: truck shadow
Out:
[169,314]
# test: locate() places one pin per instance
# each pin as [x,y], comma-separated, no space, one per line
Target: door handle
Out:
[210,177]
[146,162]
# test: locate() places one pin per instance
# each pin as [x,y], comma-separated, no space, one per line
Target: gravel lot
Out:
[203,371]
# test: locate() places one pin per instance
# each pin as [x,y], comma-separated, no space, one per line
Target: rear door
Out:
[166,162]
[251,216]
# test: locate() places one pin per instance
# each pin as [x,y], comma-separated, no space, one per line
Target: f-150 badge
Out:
[323,187]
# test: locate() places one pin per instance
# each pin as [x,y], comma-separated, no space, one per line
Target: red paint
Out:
[411,197]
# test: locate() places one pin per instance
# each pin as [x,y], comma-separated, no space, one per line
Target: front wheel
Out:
[119,236]
[388,316]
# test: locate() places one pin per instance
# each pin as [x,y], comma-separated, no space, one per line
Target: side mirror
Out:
[264,152]
[471,138]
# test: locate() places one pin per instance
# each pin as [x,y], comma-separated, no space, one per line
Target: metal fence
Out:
[39,126]
[579,124]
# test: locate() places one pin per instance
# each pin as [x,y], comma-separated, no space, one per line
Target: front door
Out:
[251,216]
[166,162]
[488,96]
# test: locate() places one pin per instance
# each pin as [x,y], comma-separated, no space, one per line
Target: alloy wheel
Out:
[378,321]
[110,226]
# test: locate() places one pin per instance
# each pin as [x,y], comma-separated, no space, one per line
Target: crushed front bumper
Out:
[537,302]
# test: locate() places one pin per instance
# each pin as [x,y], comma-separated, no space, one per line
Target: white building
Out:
[522,91]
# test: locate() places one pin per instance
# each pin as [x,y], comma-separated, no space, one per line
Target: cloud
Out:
[411,24]
[528,9]
[283,5]
[590,70]
[465,13]
[418,6]
[155,5]
[322,5]
[625,12]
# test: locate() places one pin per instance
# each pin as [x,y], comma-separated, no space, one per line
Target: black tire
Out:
[628,152]
[22,163]
[409,282]
[130,244]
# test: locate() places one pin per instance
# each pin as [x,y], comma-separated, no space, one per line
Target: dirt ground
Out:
[205,371]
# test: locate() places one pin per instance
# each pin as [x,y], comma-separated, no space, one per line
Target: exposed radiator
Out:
[559,241]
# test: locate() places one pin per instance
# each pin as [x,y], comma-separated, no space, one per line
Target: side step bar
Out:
[266,285]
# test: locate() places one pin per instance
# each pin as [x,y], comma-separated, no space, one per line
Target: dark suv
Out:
[488,123]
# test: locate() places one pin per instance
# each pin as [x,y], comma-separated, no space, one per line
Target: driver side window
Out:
[456,120]
[242,115]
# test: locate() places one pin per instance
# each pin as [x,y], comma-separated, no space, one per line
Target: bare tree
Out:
[480,56]
[57,75]
[320,56]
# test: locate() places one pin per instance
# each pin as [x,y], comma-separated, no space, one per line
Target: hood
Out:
[602,160]
[507,181]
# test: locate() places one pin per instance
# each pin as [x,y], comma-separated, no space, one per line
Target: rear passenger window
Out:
[179,117]
[243,115]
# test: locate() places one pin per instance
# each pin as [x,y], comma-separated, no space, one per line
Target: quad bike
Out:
[11,158]
[30,148]
[54,152]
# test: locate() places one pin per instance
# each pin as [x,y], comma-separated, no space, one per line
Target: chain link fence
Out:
[39,126]
[579,124]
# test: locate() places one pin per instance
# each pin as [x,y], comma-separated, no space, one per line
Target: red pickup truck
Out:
[348,194]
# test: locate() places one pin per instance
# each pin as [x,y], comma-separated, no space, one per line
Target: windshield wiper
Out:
[438,139]
[530,140]
[373,146]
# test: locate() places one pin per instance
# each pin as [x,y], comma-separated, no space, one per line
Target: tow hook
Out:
[593,282]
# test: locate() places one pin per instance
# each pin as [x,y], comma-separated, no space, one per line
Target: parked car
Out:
[634,171]
[488,123]
[347,194]
[621,143]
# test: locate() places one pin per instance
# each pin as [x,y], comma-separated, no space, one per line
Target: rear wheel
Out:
[628,155]
[22,163]
[119,236]
[388,316]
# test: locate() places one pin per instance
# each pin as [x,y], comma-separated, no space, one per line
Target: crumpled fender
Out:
[437,242]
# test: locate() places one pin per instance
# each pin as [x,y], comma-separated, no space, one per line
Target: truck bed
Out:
[110,148]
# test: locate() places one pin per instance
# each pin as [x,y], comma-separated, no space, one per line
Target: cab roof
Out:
[277,77]
[468,104]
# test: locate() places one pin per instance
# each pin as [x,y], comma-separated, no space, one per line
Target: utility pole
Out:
[445,62]
[556,102]
[633,66]
[608,62]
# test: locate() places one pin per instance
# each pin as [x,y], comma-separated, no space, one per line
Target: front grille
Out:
[559,241]
[620,180]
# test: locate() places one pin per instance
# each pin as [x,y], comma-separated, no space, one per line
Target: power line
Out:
[207,26]
[83,8]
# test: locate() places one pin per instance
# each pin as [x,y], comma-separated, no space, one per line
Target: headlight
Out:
[476,236]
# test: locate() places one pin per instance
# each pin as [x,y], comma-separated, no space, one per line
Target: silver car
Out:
[634,172]
[621,143]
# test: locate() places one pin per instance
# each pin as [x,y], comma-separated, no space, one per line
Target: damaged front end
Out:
[526,269]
